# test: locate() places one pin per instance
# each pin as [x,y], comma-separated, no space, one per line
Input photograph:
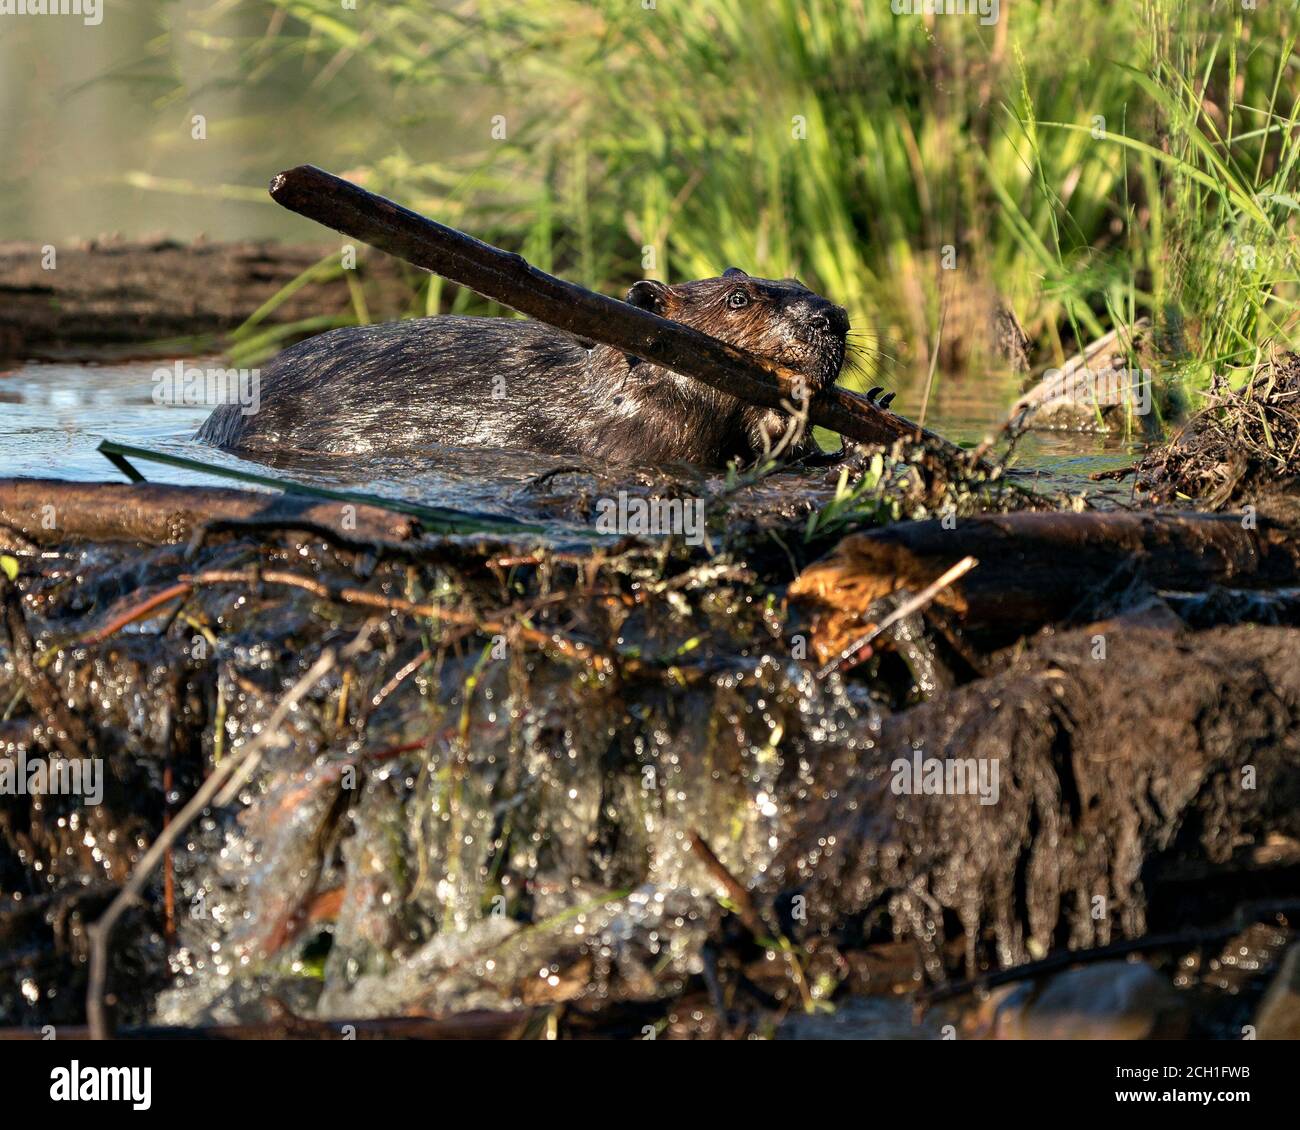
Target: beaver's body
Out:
[493,382]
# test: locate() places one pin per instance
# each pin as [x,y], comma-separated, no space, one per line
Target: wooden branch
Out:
[1038,567]
[509,279]
[52,512]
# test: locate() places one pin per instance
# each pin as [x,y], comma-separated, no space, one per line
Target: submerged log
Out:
[509,279]
[106,299]
[47,512]
[1037,567]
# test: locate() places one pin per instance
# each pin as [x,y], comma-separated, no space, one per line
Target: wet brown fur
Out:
[497,382]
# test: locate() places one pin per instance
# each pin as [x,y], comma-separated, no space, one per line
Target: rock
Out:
[1112,1000]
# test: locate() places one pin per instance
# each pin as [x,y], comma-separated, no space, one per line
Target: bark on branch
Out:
[509,279]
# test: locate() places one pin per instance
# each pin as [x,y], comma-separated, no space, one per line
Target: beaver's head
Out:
[781,320]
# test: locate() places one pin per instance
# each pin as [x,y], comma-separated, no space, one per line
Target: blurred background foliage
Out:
[1088,163]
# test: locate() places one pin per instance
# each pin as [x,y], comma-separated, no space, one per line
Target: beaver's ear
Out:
[650,295]
[734,273]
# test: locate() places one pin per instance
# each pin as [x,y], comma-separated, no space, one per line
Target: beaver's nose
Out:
[829,319]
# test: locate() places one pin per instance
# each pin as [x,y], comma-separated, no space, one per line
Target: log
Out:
[49,512]
[111,299]
[509,279]
[1037,567]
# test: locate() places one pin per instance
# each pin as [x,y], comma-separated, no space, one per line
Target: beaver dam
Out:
[907,746]
[512,783]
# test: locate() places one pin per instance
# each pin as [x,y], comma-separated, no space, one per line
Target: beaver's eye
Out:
[737,298]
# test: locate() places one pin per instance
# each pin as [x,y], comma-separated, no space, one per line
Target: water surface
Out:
[53,417]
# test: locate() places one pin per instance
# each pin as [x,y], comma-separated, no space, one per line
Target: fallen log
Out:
[110,299]
[1037,567]
[1096,388]
[510,280]
[47,512]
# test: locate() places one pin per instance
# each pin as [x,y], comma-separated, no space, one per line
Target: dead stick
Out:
[139,612]
[736,890]
[749,913]
[509,279]
[919,601]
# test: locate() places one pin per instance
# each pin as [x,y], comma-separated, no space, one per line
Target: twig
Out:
[400,677]
[736,890]
[750,915]
[914,604]
[934,360]
[138,612]
[345,594]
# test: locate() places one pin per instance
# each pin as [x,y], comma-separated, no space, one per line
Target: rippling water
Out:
[53,416]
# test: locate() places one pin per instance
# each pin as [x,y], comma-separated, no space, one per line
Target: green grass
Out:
[1090,163]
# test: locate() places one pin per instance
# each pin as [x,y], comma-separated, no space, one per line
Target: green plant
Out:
[1088,163]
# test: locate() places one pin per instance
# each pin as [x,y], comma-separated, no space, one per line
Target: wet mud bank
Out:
[631,785]
[119,298]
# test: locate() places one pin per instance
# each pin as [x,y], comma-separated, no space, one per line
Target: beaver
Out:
[495,382]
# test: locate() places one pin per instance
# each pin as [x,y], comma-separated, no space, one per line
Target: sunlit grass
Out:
[1087,163]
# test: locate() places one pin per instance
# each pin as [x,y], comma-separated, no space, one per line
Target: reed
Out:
[1089,163]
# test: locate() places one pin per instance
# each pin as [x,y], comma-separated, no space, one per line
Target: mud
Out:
[1123,753]
[606,784]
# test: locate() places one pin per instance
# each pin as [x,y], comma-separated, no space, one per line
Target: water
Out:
[53,417]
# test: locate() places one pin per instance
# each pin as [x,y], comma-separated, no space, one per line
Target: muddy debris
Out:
[1091,765]
[1241,450]
[609,783]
